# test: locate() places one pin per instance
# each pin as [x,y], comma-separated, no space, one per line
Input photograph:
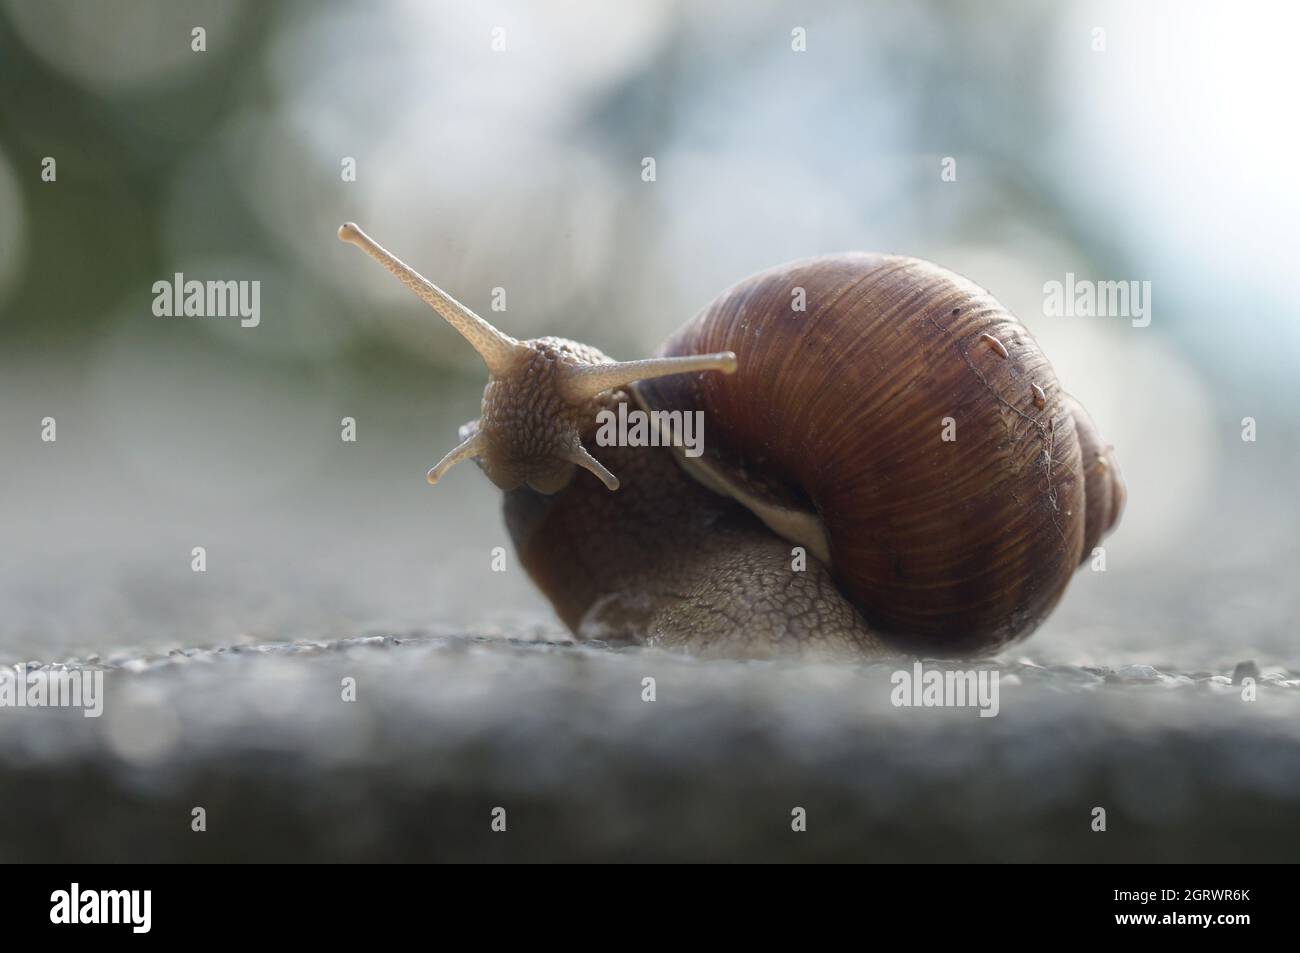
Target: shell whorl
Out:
[1104,491]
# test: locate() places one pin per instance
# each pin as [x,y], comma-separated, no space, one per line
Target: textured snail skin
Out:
[668,563]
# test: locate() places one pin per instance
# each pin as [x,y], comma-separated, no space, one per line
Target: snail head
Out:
[540,393]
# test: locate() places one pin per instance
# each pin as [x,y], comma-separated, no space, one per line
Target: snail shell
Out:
[832,431]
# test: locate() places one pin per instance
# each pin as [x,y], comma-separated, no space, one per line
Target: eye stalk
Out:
[540,394]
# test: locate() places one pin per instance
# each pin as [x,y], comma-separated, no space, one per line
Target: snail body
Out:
[895,467]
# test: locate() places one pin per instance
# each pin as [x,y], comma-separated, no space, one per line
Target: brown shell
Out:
[959,545]
[1103,486]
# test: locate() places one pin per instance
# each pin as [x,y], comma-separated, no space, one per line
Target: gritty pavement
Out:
[448,726]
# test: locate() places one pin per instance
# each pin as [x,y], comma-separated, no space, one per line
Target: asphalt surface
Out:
[446,727]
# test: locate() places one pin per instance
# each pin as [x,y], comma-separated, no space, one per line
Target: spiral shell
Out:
[914,423]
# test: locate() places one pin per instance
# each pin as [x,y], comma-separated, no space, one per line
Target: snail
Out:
[894,468]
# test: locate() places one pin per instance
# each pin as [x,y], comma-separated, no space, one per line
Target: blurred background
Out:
[1163,157]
